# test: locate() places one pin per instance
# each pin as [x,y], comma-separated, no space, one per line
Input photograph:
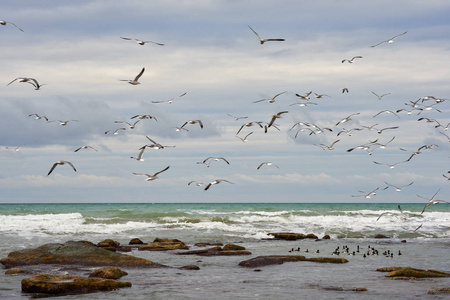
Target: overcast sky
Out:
[74,50]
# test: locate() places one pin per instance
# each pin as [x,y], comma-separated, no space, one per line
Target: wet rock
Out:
[215,251]
[381,236]
[108,243]
[73,253]
[232,247]
[69,284]
[445,290]
[136,241]
[311,236]
[333,260]
[260,261]
[163,245]
[189,267]
[417,273]
[326,237]
[207,244]
[390,269]
[15,271]
[108,273]
[287,236]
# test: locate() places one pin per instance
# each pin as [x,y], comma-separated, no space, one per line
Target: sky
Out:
[74,50]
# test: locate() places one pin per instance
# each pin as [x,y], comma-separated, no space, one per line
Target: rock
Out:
[381,236]
[326,237]
[417,273]
[260,261]
[73,253]
[445,290]
[108,273]
[311,236]
[361,289]
[215,251]
[233,252]
[189,267]
[232,247]
[68,284]
[390,269]
[287,236]
[108,243]
[163,245]
[207,244]
[15,271]
[334,260]
[136,241]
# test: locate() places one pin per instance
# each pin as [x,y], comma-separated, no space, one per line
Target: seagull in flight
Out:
[346,119]
[61,162]
[38,117]
[199,122]
[271,100]
[398,189]
[432,201]
[386,112]
[391,40]
[142,43]
[237,118]
[2,22]
[142,117]
[367,195]
[267,163]
[217,181]
[249,124]
[196,183]
[380,97]
[134,81]
[29,80]
[85,147]
[154,176]
[276,116]
[116,132]
[325,147]
[211,159]
[245,138]
[131,126]
[262,41]
[139,157]
[170,100]
[351,60]
[391,166]
[63,123]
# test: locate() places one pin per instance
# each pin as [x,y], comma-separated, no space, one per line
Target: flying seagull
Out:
[135,80]
[61,162]
[29,80]
[154,176]
[380,97]
[276,116]
[267,163]
[142,43]
[38,117]
[367,195]
[193,122]
[391,166]
[271,100]
[139,157]
[131,126]
[170,100]
[398,189]
[116,132]
[249,124]
[142,117]
[217,181]
[237,118]
[5,22]
[346,119]
[351,60]
[262,41]
[325,147]
[432,201]
[245,138]
[391,40]
[85,147]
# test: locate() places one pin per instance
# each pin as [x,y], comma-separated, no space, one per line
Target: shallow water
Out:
[23,226]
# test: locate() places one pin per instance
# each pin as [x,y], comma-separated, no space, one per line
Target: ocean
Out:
[351,224]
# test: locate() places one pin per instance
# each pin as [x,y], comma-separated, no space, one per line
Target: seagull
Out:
[193,122]
[351,60]
[205,161]
[369,194]
[385,213]
[305,96]
[61,162]
[154,145]
[348,132]
[391,40]
[142,43]
[432,201]
[5,22]
[154,176]
[245,138]
[346,119]
[276,116]
[237,118]
[116,132]
[170,100]
[302,104]
[398,189]
[135,80]
[271,100]
[63,123]
[262,41]
[85,147]
[29,80]
[196,183]
[344,90]
[380,97]
[142,117]
[38,117]
[15,148]
[139,157]
[387,112]
[409,111]
[131,126]
[391,166]
[325,147]
[318,96]
[267,163]
[448,138]
[217,181]
[249,124]
[380,131]
[179,129]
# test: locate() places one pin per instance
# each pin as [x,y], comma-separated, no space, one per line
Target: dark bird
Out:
[61,162]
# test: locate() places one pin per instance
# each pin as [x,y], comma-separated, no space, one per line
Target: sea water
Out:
[351,225]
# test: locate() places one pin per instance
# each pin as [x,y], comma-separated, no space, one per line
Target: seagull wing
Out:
[139,75]
[125,38]
[70,164]
[254,32]
[53,167]
[161,171]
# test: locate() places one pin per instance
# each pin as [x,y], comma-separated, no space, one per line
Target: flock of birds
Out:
[304,129]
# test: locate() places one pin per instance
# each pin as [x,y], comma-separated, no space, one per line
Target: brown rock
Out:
[163,245]
[326,237]
[334,260]
[73,253]
[15,271]
[390,269]
[215,251]
[67,284]
[260,261]
[233,252]
[445,290]
[417,273]
[287,236]
[136,241]
[381,236]
[108,243]
[108,273]
[311,236]
[232,247]
[189,267]
[207,244]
